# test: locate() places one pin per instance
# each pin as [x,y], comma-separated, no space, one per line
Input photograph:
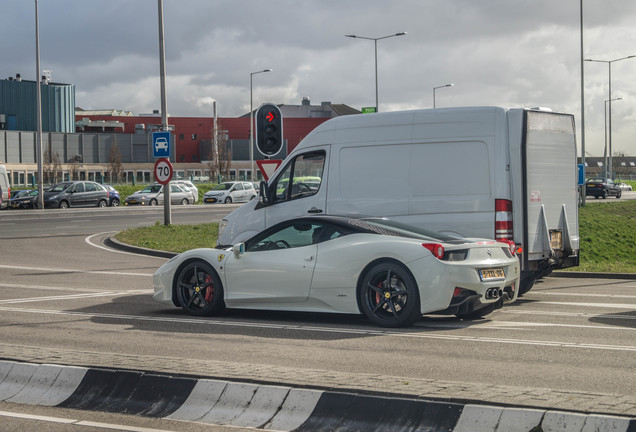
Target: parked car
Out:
[186,184]
[113,195]
[624,186]
[230,192]
[390,272]
[601,187]
[24,199]
[153,195]
[76,194]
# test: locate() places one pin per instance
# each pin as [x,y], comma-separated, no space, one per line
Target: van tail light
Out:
[436,249]
[503,220]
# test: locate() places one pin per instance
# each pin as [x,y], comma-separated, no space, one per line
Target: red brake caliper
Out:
[209,292]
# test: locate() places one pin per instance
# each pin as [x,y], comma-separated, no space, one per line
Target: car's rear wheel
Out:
[389,296]
[199,289]
[618,195]
[604,194]
[102,203]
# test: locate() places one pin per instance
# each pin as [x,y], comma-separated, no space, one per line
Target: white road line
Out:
[89,240]
[596,305]
[369,332]
[62,420]
[76,296]
[63,270]
[556,293]
[570,314]
[46,287]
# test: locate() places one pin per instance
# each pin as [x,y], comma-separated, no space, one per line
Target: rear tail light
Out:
[513,247]
[436,249]
[503,220]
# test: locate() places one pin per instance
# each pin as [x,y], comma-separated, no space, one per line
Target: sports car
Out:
[390,272]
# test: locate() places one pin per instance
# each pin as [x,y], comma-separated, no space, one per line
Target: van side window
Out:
[301,178]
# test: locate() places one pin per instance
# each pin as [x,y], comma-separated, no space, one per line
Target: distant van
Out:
[488,172]
[4,186]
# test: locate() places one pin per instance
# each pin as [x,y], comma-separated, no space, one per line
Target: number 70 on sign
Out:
[163,171]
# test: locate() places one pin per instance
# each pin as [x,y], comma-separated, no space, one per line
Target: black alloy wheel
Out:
[389,296]
[199,289]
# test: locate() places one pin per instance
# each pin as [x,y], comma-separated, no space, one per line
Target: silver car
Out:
[230,192]
[153,195]
[186,184]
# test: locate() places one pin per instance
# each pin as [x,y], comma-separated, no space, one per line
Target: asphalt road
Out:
[66,298]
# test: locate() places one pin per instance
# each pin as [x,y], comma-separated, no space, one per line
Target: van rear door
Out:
[550,195]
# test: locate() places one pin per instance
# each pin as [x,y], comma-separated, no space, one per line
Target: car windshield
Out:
[60,187]
[151,189]
[223,186]
[390,227]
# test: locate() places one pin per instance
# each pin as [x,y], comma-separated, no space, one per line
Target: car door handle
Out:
[309,258]
[314,210]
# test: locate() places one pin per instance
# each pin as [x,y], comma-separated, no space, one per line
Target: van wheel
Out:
[64,204]
[389,296]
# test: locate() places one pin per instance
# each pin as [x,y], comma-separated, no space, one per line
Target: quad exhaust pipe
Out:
[493,293]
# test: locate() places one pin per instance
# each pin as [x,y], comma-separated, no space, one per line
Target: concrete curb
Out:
[270,407]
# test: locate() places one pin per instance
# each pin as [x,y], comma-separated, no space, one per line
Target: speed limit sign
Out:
[163,171]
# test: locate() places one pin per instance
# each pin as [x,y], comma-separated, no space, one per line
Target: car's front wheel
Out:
[64,204]
[199,289]
[115,202]
[228,200]
[153,202]
[185,201]
[389,296]
[618,195]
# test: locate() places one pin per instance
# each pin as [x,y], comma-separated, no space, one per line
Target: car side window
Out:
[298,234]
[301,178]
[79,187]
[238,186]
[90,187]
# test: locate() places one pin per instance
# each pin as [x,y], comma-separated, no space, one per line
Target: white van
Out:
[485,172]
[4,187]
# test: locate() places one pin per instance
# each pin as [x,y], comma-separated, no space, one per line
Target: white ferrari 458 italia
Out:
[390,272]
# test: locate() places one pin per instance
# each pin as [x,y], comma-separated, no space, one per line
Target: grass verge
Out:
[607,233]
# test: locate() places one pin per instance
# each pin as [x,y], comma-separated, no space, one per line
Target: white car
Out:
[390,272]
[624,186]
[186,184]
[230,192]
[161,144]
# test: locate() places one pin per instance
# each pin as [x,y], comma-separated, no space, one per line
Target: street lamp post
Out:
[605,151]
[375,41]
[252,124]
[438,87]
[609,65]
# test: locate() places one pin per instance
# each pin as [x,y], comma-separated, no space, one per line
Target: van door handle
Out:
[314,210]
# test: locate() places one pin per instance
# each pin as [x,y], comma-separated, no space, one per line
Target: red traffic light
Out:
[270,116]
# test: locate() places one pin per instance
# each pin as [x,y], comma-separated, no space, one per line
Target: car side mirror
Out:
[262,192]
[239,249]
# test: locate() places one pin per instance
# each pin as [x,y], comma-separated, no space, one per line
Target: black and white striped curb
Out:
[271,407]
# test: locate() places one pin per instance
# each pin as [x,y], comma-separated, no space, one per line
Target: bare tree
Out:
[115,166]
[222,163]
[50,167]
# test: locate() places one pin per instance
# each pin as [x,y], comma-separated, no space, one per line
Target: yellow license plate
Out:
[491,274]
[556,239]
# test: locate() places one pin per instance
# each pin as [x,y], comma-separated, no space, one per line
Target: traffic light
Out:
[269,129]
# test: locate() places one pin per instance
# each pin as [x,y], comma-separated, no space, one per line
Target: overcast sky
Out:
[514,53]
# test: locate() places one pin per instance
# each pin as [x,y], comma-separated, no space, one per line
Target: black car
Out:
[601,187]
[24,199]
[76,194]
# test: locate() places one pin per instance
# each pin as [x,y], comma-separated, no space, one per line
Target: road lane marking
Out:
[589,295]
[596,305]
[366,332]
[77,296]
[86,423]
[63,270]
[570,314]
